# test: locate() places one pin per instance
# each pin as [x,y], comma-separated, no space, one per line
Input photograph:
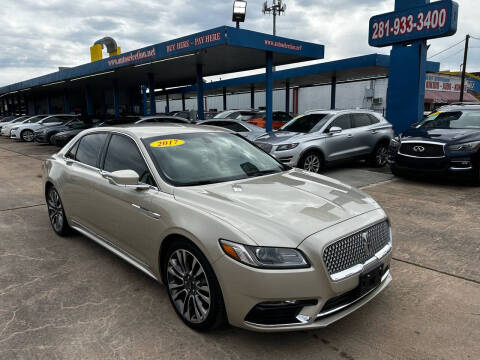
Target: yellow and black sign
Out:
[167,143]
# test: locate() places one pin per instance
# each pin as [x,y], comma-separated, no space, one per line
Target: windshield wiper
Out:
[263,172]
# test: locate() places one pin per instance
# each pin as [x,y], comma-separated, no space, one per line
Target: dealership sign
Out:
[435,20]
[446,83]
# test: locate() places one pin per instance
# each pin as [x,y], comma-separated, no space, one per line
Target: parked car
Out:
[46,133]
[245,129]
[210,114]
[279,118]
[190,115]
[26,132]
[8,118]
[233,233]
[12,121]
[244,115]
[445,143]
[162,119]
[62,138]
[6,129]
[320,137]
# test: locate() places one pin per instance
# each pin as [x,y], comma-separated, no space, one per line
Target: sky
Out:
[38,36]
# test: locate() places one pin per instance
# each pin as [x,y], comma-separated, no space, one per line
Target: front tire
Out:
[312,161]
[379,156]
[192,287]
[27,135]
[56,213]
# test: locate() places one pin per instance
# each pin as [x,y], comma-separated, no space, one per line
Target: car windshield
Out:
[466,119]
[306,123]
[208,158]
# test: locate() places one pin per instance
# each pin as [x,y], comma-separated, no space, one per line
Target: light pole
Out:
[277,8]
[239,11]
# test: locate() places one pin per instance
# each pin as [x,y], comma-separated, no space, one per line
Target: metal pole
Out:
[287,97]
[183,101]
[333,93]
[269,92]
[116,98]
[151,92]
[465,57]
[144,100]
[224,98]
[200,105]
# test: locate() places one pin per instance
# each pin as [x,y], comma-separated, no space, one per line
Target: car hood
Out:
[442,135]
[281,137]
[281,209]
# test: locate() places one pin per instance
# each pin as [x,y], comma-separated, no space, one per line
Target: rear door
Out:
[127,219]
[363,138]
[82,181]
[340,146]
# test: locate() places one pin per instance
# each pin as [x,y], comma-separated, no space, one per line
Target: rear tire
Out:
[312,161]
[56,213]
[379,156]
[192,287]
[27,135]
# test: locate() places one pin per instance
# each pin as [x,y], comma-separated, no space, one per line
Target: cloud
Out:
[38,36]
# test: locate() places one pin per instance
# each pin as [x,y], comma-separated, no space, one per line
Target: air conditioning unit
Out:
[369,93]
[377,101]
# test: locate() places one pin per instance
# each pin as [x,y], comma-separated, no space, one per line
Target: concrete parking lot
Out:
[68,298]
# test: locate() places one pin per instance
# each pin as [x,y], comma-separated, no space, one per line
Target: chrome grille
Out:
[357,248]
[421,149]
[264,146]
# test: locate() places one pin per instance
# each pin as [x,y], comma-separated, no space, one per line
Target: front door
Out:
[340,145]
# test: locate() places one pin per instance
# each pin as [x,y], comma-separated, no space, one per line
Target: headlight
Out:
[265,257]
[286,147]
[471,146]
[395,142]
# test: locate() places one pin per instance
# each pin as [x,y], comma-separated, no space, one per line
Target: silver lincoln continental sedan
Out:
[234,234]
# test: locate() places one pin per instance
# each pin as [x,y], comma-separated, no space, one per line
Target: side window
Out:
[233,126]
[73,151]
[123,154]
[360,120]
[89,149]
[343,121]
[373,119]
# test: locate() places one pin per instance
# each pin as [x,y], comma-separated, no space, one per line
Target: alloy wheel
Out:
[55,210]
[312,163]
[27,135]
[381,156]
[188,286]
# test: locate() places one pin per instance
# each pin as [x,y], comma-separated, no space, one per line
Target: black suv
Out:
[446,142]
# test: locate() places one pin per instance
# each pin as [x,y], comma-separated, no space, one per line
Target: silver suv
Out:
[317,137]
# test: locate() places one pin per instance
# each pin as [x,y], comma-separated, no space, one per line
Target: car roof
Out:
[246,124]
[339,111]
[144,131]
[463,106]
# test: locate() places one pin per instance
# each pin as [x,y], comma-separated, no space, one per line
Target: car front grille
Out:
[422,149]
[357,248]
[265,147]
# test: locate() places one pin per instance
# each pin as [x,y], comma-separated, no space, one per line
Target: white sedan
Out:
[26,132]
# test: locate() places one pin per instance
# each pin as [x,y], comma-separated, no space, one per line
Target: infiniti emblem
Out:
[366,246]
[418,148]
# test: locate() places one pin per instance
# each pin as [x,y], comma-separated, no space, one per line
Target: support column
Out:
[269,92]
[167,100]
[104,102]
[88,100]
[287,97]
[333,93]
[2,111]
[116,99]
[49,104]
[200,108]
[183,101]
[144,100]
[35,106]
[151,89]
[406,79]
[25,102]
[224,98]
[252,96]
[296,91]
[66,101]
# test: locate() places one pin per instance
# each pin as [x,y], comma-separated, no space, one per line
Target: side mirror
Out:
[335,130]
[127,178]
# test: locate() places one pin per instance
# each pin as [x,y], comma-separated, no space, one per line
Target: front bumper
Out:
[245,288]
[288,157]
[41,138]
[15,134]
[450,164]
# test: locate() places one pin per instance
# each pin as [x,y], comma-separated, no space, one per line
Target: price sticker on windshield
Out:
[167,143]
